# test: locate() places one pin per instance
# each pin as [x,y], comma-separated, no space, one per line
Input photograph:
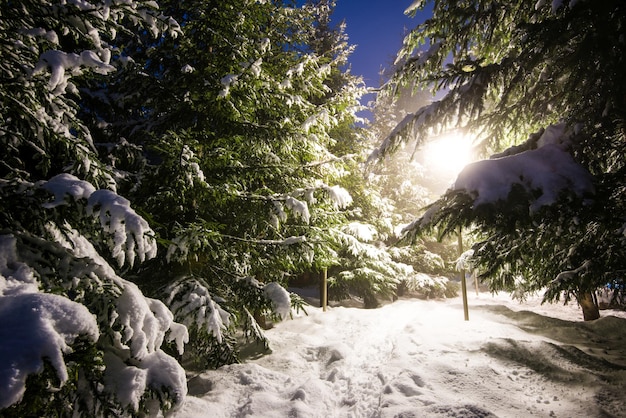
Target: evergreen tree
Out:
[73,331]
[406,183]
[543,79]
[238,147]
[363,266]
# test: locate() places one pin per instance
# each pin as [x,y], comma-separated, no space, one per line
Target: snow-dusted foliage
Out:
[464,262]
[191,301]
[298,207]
[363,232]
[429,286]
[189,162]
[93,302]
[130,331]
[63,65]
[131,235]
[46,48]
[297,201]
[339,196]
[366,267]
[251,154]
[281,301]
[229,150]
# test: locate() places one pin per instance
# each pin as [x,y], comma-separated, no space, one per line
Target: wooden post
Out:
[463,281]
[324,289]
[475,276]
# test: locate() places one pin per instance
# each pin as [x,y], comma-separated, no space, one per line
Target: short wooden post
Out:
[475,276]
[324,289]
[463,280]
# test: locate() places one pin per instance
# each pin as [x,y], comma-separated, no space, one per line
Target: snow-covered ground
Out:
[416,358]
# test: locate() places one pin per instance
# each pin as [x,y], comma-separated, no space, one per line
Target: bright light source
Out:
[446,155]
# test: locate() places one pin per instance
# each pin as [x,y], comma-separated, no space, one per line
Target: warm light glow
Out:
[446,155]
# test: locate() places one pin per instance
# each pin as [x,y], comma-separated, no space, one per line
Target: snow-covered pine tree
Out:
[242,131]
[76,338]
[361,264]
[406,184]
[545,79]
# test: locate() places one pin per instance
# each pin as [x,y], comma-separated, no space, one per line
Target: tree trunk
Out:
[370,301]
[588,305]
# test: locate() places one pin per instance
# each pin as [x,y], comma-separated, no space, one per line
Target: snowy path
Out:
[420,359]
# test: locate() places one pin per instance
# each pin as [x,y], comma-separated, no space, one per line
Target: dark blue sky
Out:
[377,27]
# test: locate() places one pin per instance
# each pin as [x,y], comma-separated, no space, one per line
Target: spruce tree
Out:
[239,145]
[520,75]
[74,331]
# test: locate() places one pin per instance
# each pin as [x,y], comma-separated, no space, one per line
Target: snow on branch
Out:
[339,197]
[417,4]
[64,185]
[64,65]
[141,322]
[555,5]
[136,328]
[542,168]
[570,274]
[100,17]
[548,169]
[361,231]
[421,58]
[287,241]
[298,207]
[156,371]
[34,326]
[132,237]
[191,301]
[281,301]
[406,130]
[464,262]
[193,172]
[322,119]
[142,333]
[357,248]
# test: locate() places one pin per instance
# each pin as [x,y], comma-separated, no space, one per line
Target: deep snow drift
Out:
[416,358]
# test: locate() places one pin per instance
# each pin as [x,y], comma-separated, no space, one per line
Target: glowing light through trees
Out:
[443,157]
[448,154]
